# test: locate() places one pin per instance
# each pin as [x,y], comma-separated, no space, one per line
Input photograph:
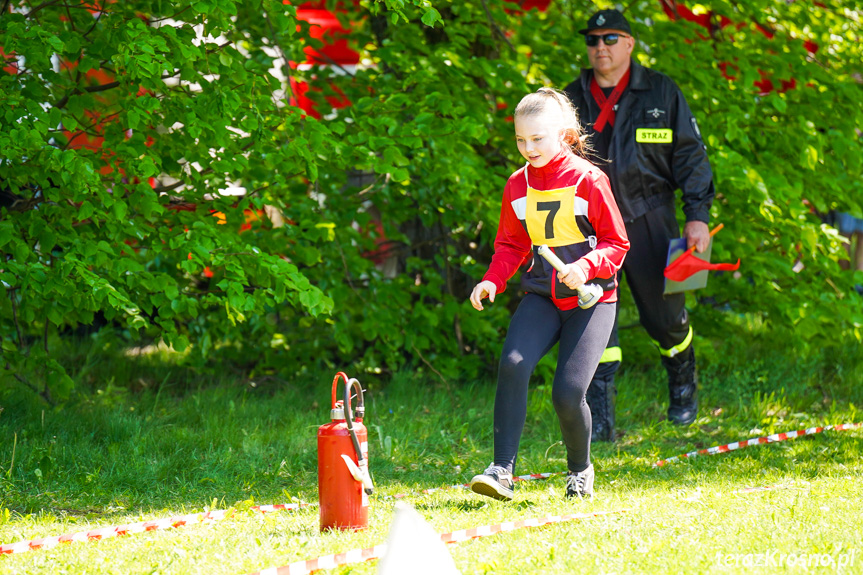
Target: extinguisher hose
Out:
[363,465]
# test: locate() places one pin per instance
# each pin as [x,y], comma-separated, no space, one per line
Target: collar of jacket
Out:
[553,167]
[638,79]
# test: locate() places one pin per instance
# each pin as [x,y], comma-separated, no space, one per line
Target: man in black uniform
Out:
[646,140]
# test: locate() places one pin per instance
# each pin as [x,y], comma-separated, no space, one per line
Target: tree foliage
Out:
[391,203]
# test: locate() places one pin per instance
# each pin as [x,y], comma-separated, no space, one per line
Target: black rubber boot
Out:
[682,387]
[600,399]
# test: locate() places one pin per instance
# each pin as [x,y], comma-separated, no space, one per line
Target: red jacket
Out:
[568,205]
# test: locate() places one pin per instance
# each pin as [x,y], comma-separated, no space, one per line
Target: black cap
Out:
[608,20]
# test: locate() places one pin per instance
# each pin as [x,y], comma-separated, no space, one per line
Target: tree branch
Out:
[95,22]
[91,89]
[171,188]
[204,172]
[218,48]
[15,318]
[425,361]
[71,20]
[41,6]
[348,272]
[170,17]
[86,129]
[287,65]
[494,27]
[22,379]
[373,184]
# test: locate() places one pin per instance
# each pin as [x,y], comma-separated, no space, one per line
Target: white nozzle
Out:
[359,473]
[353,468]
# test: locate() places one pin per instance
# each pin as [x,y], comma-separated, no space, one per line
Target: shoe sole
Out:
[678,420]
[490,488]
[682,422]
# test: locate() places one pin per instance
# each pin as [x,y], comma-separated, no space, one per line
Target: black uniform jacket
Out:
[656,147]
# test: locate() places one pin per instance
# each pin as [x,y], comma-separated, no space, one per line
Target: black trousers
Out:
[536,327]
[663,317]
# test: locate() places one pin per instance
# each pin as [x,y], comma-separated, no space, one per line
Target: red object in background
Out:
[10,60]
[302,101]
[687,264]
[249,215]
[765,85]
[343,503]
[525,5]
[675,10]
[83,136]
[325,27]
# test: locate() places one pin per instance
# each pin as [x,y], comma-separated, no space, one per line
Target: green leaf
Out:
[120,210]
[133,118]
[809,158]
[779,103]
[85,211]
[202,7]
[47,241]
[6,231]
[21,251]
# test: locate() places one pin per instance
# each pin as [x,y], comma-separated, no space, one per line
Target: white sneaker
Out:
[495,482]
[580,484]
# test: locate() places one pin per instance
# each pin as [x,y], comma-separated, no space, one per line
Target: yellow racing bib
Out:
[550,217]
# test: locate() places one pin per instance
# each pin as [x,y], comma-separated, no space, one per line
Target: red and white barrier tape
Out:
[775,438]
[370,553]
[156,524]
[767,488]
[218,515]
[282,507]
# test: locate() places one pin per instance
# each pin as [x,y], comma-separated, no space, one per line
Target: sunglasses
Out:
[609,39]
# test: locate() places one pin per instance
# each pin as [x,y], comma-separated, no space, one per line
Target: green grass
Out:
[160,445]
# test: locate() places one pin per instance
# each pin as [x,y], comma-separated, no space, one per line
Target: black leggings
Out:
[536,326]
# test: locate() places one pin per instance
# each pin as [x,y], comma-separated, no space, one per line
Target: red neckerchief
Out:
[606,105]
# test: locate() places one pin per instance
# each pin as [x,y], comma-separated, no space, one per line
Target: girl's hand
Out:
[572,276]
[480,291]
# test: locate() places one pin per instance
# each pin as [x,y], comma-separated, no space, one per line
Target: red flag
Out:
[687,264]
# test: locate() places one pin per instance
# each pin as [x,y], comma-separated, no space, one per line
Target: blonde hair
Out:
[538,102]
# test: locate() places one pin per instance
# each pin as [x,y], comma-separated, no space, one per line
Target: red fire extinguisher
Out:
[344,483]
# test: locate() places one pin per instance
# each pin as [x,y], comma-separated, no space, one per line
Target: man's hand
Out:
[572,276]
[697,234]
[481,290]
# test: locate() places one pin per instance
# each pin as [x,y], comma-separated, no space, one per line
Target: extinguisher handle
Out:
[339,375]
[368,487]
[349,382]
[360,410]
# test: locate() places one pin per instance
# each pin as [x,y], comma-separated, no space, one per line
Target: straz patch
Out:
[654,135]
[550,216]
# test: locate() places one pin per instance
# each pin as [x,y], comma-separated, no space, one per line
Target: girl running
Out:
[561,200]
